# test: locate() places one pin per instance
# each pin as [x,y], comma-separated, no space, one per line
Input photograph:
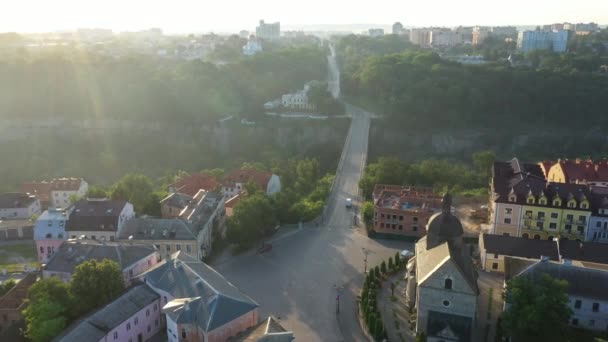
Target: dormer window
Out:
[584,205]
[530,200]
[447,284]
[572,204]
[557,203]
[512,198]
[542,201]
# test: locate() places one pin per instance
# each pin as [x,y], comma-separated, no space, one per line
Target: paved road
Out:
[296,280]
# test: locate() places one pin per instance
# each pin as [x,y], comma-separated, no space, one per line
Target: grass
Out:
[25,250]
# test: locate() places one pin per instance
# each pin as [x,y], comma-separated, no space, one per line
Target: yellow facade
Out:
[557,174]
[574,224]
[548,219]
[540,222]
[495,263]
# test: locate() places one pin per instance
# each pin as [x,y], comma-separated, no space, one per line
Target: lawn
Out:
[14,256]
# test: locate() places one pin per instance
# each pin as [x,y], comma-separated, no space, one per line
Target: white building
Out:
[445,38]
[420,36]
[64,188]
[268,31]
[236,180]
[252,47]
[543,40]
[18,206]
[99,219]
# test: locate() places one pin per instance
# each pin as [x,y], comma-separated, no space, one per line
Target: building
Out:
[206,216]
[235,181]
[445,38]
[480,34]
[134,316]
[18,206]
[545,166]
[590,27]
[587,300]
[190,184]
[167,235]
[598,223]
[397,28]
[579,172]
[101,219]
[267,330]
[375,32]
[57,192]
[14,302]
[268,31]
[16,229]
[543,40]
[231,203]
[244,34]
[172,205]
[495,249]
[199,304]
[403,210]
[504,31]
[49,232]
[133,259]
[420,36]
[442,282]
[252,47]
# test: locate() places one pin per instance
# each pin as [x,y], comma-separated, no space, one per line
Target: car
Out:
[349,203]
[266,247]
[405,254]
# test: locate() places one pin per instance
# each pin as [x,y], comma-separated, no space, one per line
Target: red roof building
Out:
[235,181]
[579,171]
[191,184]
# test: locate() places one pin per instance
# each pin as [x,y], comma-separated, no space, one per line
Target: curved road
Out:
[300,279]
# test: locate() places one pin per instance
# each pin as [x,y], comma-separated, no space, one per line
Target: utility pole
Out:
[366,252]
[339,290]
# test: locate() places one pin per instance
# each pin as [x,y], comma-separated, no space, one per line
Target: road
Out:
[297,280]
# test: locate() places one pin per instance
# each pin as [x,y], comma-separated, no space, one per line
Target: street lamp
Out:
[366,252]
[339,290]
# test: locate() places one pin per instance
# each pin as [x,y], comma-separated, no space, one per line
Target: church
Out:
[442,281]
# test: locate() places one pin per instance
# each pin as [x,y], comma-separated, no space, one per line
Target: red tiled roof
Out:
[261,178]
[40,189]
[191,184]
[545,165]
[586,170]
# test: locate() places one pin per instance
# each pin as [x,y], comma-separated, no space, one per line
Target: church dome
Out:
[443,226]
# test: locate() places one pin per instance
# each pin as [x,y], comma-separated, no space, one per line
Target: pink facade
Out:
[139,327]
[140,267]
[46,248]
[234,327]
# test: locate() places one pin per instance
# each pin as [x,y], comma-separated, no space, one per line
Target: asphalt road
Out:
[300,278]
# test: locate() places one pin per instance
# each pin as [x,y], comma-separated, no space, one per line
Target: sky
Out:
[195,16]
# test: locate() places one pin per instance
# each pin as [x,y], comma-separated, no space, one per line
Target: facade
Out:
[49,232]
[57,192]
[134,316]
[397,28]
[268,31]
[199,304]
[598,223]
[504,31]
[442,37]
[167,235]
[579,172]
[252,47]
[442,282]
[16,229]
[587,300]
[420,36]
[14,302]
[133,259]
[234,182]
[543,40]
[18,206]
[480,34]
[403,210]
[98,219]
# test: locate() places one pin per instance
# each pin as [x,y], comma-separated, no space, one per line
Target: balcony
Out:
[528,216]
[540,218]
[568,220]
[581,222]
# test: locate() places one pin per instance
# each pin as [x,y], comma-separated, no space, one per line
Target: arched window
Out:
[448,284]
[524,235]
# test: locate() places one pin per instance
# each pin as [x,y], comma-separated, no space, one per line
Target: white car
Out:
[349,203]
[405,254]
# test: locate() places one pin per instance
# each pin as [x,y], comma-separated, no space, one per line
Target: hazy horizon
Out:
[191,16]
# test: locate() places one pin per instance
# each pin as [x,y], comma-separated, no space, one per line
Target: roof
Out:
[16,223]
[269,330]
[103,321]
[156,229]
[406,198]
[66,184]
[185,277]
[43,189]
[95,215]
[232,201]
[515,265]
[200,209]
[519,247]
[505,175]
[430,260]
[74,252]
[192,183]
[10,200]
[176,200]
[594,252]
[584,170]
[261,178]
[14,299]
[443,226]
[582,282]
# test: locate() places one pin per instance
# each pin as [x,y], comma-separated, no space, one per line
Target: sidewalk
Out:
[393,310]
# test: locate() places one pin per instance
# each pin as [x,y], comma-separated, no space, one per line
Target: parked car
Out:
[266,247]
[405,254]
[349,203]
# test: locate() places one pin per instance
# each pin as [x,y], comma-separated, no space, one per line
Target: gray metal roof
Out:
[74,252]
[185,277]
[156,229]
[104,320]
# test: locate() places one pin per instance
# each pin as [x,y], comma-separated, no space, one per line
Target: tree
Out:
[397,260]
[367,210]
[134,188]
[483,162]
[421,337]
[7,286]
[536,309]
[390,263]
[377,272]
[253,218]
[48,311]
[383,267]
[96,283]
[96,191]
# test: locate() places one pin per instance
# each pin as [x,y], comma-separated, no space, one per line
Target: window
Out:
[552,225]
[446,303]
[568,227]
[577,304]
[507,220]
[596,307]
[571,204]
[116,335]
[415,228]
[494,265]
[156,323]
[111,238]
[381,215]
[400,227]
[381,225]
[394,226]
[584,205]
[41,250]
[168,248]
[48,249]
[400,217]
[188,249]
[49,236]
[147,312]
[394,217]
[508,211]
[155,307]
[183,333]
[575,321]
[540,225]
[136,320]
[448,284]
[178,247]
[128,326]
[60,236]
[50,223]
[528,214]
[93,237]
[582,219]
[598,224]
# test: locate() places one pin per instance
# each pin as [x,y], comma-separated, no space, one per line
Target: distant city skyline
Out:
[185,16]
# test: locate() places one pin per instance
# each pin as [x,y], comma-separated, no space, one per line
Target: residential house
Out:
[190,184]
[235,181]
[586,298]
[168,235]
[49,232]
[16,229]
[134,316]
[495,249]
[172,205]
[267,330]
[133,259]
[199,304]
[101,219]
[442,282]
[268,31]
[57,192]
[206,216]
[18,206]
[403,210]
[580,172]
[598,223]
[13,302]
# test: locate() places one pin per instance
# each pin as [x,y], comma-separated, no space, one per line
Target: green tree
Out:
[397,260]
[483,162]
[390,263]
[367,210]
[48,311]
[421,337]
[97,191]
[377,272]
[7,286]
[253,218]
[383,267]
[96,283]
[134,188]
[537,309]
[216,172]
